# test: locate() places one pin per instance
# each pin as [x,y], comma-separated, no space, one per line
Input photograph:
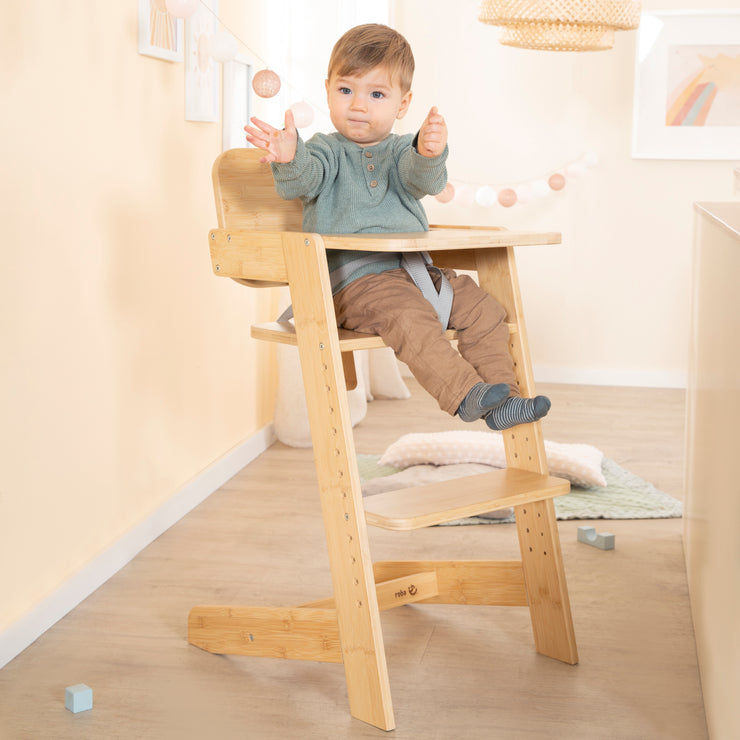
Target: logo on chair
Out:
[411,590]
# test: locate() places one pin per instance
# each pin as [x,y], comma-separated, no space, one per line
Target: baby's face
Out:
[364,107]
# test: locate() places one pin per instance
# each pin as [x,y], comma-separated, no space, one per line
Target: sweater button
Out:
[374,184]
[368,154]
[370,167]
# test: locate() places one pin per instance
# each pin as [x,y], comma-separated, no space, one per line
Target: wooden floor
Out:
[456,672]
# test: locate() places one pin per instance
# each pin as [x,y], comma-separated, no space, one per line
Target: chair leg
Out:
[539,540]
[544,576]
[356,600]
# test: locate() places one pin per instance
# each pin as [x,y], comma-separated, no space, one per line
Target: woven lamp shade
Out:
[560,25]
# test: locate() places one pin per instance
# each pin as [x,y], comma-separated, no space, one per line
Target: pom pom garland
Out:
[487,196]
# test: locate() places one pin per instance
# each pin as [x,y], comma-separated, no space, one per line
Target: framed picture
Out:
[201,70]
[238,101]
[160,34]
[687,86]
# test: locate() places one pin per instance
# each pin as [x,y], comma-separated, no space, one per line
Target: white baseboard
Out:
[18,636]
[603,376]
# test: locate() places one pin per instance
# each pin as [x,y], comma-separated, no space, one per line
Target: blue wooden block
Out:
[78,698]
[604,540]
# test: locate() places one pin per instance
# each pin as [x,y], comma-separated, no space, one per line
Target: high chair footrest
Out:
[437,503]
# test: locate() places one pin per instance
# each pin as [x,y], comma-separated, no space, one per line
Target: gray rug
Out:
[626,496]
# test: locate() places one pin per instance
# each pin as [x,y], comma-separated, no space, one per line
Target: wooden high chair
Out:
[260,242]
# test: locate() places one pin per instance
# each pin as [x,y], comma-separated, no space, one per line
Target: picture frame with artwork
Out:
[238,100]
[201,70]
[687,86]
[160,34]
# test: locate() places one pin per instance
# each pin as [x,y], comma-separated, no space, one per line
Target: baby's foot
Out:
[517,410]
[481,399]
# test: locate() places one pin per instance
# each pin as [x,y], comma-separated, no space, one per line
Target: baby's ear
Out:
[405,102]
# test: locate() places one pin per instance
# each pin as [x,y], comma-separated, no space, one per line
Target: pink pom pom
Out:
[266,83]
[302,114]
[447,194]
[556,181]
[181,8]
[507,197]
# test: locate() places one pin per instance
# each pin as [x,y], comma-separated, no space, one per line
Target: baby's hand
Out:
[432,135]
[279,145]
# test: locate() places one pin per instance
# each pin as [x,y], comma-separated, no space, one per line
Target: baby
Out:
[363,178]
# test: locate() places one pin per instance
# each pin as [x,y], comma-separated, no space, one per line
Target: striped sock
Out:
[517,410]
[481,399]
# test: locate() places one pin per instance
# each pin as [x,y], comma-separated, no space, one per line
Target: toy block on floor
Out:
[603,540]
[78,698]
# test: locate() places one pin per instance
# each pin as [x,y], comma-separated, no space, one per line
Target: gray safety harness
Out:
[417,264]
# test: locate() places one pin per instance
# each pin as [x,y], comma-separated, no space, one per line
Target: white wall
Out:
[609,305]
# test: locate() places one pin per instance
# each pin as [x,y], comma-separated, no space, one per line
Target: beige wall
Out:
[610,305]
[125,367]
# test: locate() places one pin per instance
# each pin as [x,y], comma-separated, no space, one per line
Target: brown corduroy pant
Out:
[390,305]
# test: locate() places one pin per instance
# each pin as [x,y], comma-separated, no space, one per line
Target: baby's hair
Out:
[372,45]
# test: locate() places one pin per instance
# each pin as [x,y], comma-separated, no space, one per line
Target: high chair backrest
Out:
[245,194]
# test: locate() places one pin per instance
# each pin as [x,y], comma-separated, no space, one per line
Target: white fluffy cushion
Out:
[578,463]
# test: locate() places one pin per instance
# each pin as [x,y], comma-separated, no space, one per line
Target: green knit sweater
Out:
[349,189]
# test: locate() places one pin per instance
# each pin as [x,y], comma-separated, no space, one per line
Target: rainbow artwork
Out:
[703,86]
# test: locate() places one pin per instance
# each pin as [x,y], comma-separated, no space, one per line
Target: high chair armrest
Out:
[248,254]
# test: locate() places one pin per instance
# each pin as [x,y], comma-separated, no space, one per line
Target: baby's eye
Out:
[345,91]
[377,94]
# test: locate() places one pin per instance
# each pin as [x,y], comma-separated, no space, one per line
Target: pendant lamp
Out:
[560,25]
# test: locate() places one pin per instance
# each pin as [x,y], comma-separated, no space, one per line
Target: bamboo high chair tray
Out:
[260,242]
